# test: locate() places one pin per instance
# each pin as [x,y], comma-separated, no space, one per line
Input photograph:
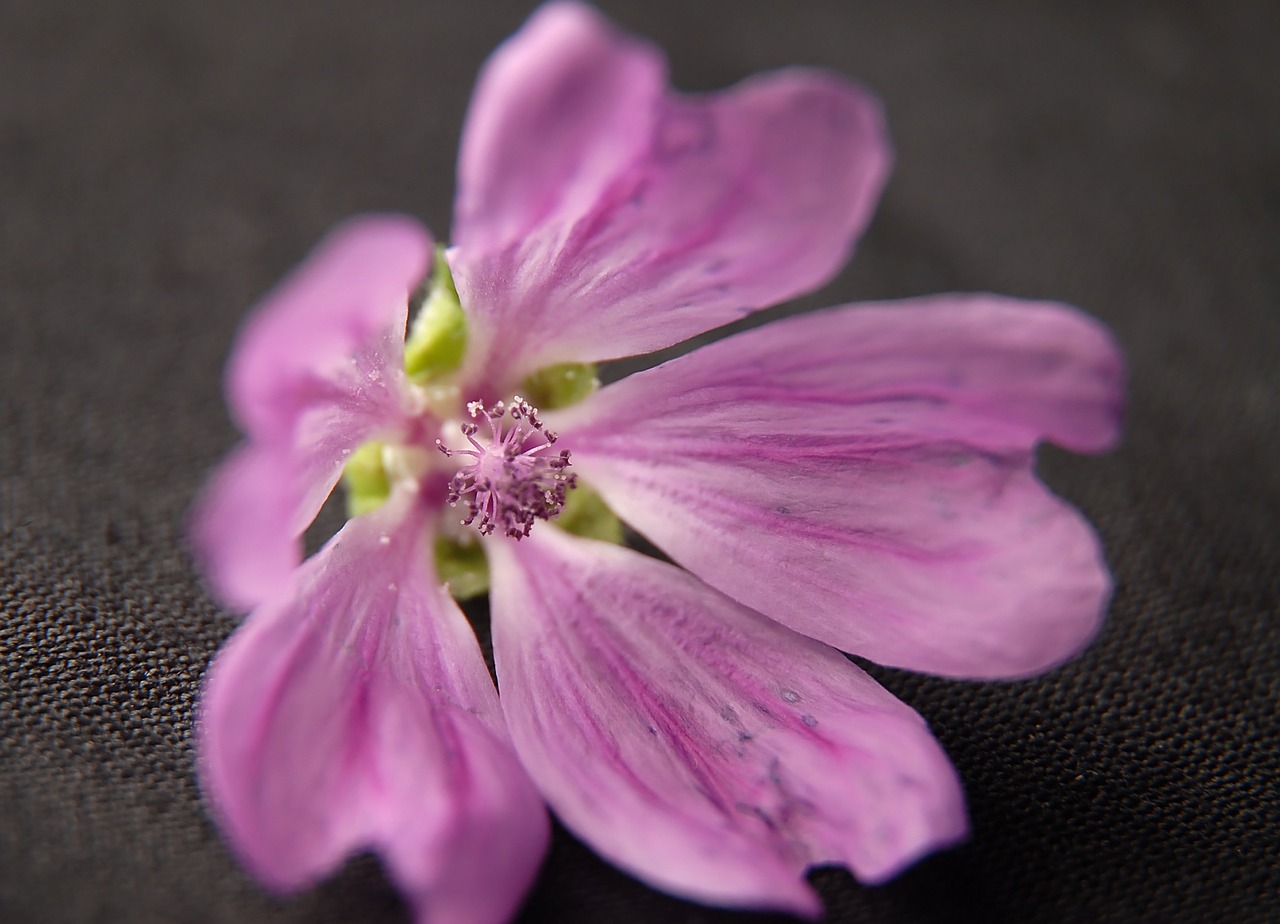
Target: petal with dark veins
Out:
[864,476]
[356,713]
[698,745]
[602,215]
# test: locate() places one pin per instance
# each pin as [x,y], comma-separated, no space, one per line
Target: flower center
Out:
[512,476]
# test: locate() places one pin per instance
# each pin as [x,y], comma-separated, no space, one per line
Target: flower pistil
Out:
[512,479]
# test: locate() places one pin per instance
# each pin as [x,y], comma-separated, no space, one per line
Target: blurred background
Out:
[162,164]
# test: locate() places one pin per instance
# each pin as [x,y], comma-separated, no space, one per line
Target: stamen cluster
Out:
[512,478]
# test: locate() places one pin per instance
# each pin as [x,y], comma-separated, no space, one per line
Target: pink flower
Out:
[857,479]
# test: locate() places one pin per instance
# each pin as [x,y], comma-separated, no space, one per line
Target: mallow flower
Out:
[854,480]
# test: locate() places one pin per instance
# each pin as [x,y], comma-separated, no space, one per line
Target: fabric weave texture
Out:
[161,165]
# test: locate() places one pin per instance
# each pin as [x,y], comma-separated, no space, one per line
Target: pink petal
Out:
[560,109]
[356,713]
[600,216]
[348,300]
[316,371]
[864,476]
[698,745]
[241,529]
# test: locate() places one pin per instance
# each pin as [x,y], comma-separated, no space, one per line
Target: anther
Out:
[511,480]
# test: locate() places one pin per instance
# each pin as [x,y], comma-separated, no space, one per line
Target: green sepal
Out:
[365,480]
[560,385]
[586,514]
[437,340]
[463,566]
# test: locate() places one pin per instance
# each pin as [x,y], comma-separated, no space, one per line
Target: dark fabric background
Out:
[163,163]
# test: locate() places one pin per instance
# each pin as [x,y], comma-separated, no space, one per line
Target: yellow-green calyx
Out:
[463,567]
[586,514]
[560,385]
[461,563]
[434,349]
[365,480]
[437,340]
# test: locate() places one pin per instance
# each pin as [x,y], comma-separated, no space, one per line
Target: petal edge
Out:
[357,713]
[702,747]
[864,476]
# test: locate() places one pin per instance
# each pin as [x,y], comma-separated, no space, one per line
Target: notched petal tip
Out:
[896,438]
[702,747]
[629,217]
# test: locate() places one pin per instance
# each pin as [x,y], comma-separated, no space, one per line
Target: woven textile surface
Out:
[163,164]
